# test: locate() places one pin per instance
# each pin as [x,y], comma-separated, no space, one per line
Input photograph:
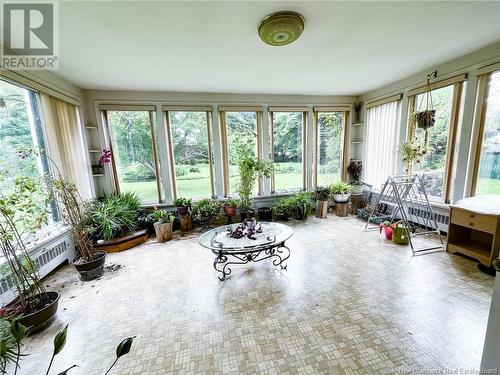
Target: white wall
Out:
[466,64]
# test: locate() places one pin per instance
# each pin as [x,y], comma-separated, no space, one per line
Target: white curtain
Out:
[65,142]
[382,134]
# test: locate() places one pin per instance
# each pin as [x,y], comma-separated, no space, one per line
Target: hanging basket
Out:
[426,119]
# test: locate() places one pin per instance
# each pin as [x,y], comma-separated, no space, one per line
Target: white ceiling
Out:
[347,48]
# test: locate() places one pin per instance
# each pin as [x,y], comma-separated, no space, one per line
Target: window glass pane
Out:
[130,133]
[433,164]
[330,135]
[288,150]
[21,128]
[488,181]
[381,143]
[191,157]
[241,128]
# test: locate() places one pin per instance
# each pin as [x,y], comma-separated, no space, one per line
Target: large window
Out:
[488,171]
[330,133]
[436,166]
[382,134]
[288,145]
[21,128]
[190,142]
[241,130]
[132,136]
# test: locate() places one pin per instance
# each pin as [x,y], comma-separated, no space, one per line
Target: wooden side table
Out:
[474,229]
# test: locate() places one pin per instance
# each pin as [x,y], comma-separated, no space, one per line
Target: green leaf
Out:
[124,347]
[60,340]
[65,372]
[17,330]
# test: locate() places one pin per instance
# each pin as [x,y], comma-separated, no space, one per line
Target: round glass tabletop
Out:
[218,239]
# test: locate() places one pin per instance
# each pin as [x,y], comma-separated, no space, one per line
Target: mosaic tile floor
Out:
[349,303]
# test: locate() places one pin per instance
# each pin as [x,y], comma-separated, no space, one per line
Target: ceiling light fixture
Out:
[281,28]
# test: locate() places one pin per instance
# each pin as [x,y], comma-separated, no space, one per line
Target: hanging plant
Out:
[412,153]
[424,119]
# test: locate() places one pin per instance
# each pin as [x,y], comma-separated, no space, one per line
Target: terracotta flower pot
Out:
[40,319]
[163,231]
[229,210]
[183,211]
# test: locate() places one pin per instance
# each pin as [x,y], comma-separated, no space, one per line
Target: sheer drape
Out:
[381,143]
[65,142]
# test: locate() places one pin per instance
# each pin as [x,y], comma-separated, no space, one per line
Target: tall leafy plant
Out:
[113,216]
[249,169]
[69,203]
[23,210]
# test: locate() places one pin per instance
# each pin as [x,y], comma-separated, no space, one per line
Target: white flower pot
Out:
[341,198]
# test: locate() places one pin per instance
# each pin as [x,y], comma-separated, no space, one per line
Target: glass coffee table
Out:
[233,251]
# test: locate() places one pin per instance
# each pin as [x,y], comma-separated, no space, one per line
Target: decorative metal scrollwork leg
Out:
[221,259]
[223,262]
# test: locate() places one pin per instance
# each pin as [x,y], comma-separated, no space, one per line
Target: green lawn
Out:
[196,182]
[488,186]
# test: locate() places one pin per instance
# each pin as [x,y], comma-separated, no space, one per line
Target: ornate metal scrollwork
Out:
[224,260]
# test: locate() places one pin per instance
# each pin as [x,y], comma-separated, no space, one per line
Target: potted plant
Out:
[412,153]
[340,191]
[13,333]
[358,106]
[229,206]
[298,206]
[163,222]
[23,210]
[354,169]
[183,206]
[205,210]
[104,159]
[111,222]
[250,168]
[322,194]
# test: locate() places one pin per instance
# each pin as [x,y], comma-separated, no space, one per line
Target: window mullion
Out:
[155,155]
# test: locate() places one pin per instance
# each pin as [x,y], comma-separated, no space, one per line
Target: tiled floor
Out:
[350,302]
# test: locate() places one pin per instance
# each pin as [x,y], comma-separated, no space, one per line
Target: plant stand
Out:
[321,209]
[342,209]
[355,202]
[163,231]
[186,223]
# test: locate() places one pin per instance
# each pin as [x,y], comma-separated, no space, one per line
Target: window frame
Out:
[481,109]
[225,148]
[344,141]
[458,89]
[170,146]
[151,115]
[304,112]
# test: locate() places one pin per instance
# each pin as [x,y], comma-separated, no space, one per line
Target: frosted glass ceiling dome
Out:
[281,28]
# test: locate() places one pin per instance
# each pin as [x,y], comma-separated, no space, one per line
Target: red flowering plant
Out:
[105,157]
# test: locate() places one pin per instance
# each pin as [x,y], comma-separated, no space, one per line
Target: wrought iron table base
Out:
[224,259]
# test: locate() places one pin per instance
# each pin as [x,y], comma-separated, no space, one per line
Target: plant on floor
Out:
[23,210]
[113,216]
[298,206]
[205,209]
[162,216]
[322,193]
[70,204]
[12,334]
[163,224]
[340,191]
[183,205]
